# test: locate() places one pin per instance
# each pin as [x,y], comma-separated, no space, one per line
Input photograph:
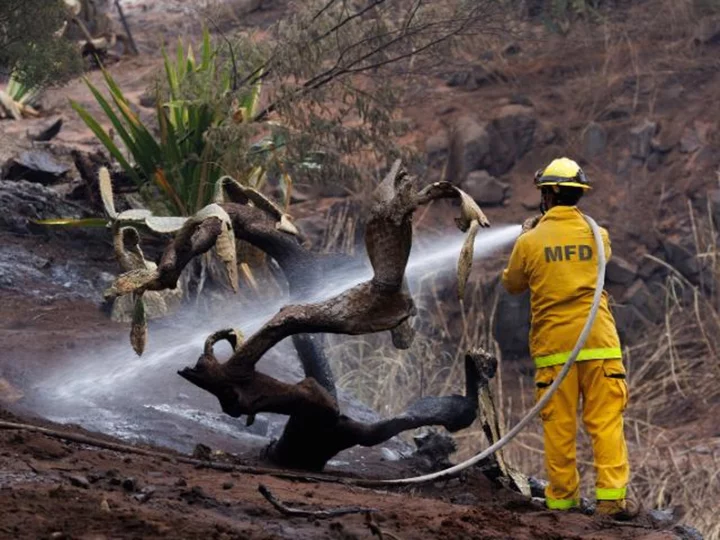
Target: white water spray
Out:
[111,390]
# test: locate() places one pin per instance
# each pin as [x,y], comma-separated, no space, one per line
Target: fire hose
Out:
[444,474]
[510,435]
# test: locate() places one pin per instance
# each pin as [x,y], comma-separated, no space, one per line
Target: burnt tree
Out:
[316,429]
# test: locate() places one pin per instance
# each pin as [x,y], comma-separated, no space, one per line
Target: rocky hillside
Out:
[633,100]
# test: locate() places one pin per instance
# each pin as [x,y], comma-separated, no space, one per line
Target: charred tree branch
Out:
[316,430]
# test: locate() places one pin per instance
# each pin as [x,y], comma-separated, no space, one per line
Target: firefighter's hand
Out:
[530,223]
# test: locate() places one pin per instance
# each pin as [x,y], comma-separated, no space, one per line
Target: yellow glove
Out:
[530,223]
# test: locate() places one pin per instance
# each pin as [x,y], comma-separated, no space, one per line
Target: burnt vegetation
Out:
[316,429]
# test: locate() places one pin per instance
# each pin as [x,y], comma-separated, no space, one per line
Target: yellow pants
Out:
[601,383]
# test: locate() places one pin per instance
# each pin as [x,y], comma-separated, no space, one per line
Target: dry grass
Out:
[674,378]
[389,380]
[674,370]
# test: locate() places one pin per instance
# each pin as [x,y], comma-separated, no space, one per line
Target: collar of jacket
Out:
[561,212]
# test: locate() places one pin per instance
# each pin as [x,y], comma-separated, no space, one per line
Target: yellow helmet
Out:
[562,172]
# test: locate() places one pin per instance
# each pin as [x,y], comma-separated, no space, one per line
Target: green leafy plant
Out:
[181,164]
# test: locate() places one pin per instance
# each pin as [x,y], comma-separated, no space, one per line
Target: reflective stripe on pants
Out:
[601,383]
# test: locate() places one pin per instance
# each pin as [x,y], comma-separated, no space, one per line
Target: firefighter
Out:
[555,258]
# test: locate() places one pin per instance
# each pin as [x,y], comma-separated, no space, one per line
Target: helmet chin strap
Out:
[543,207]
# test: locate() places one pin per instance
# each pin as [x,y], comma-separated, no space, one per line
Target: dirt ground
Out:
[55,489]
[51,488]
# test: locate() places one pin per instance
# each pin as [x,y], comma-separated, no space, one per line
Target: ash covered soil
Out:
[50,488]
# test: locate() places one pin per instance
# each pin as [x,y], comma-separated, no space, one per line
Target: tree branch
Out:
[352,67]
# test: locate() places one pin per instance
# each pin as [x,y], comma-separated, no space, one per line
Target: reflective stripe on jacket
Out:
[556,260]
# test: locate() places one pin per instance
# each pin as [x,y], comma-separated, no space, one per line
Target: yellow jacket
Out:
[556,260]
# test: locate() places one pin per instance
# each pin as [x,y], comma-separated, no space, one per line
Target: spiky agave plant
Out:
[181,164]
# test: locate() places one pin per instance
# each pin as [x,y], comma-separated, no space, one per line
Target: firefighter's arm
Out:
[514,277]
[606,243]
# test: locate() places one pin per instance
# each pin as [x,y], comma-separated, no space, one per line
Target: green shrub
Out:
[30,42]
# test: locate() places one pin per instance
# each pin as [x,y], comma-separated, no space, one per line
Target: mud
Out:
[55,489]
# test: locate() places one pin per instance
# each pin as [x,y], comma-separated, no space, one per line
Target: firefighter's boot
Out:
[621,510]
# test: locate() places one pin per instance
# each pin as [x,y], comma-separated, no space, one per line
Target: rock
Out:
[45,131]
[640,297]
[662,145]
[537,486]
[512,132]
[620,271]
[145,494]
[436,148]
[628,321]
[228,485]
[148,100]
[79,481]
[474,78]
[521,99]
[202,451]
[650,269]
[434,449]
[104,506]
[681,258]
[702,164]
[546,134]
[495,146]
[512,324]
[512,49]
[95,477]
[653,162]
[661,518]
[686,532]
[485,189]
[640,138]
[594,140]
[690,141]
[130,484]
[35,166]
[458,78]
[469,149]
